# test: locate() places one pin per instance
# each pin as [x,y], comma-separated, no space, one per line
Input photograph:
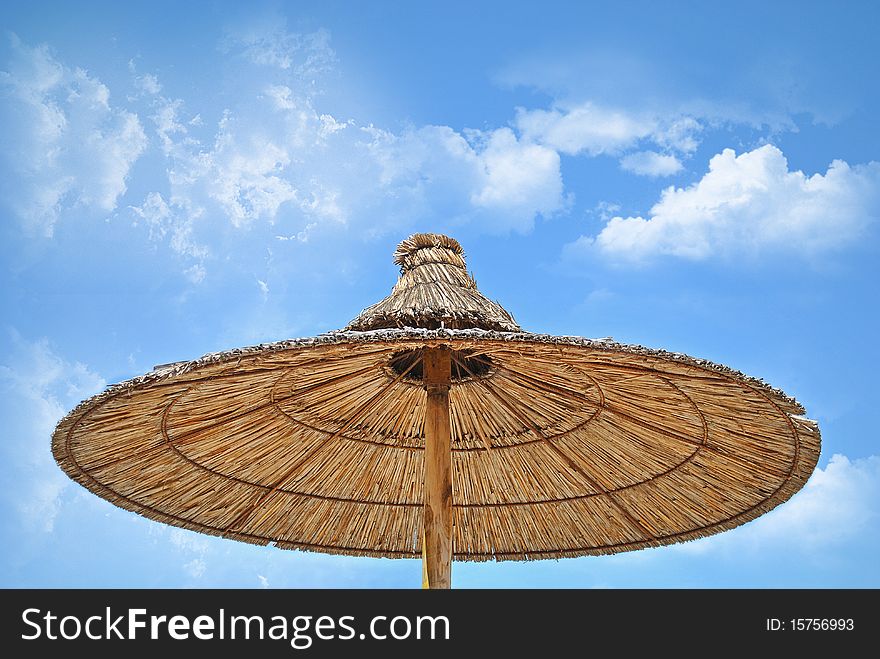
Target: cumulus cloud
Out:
[518,178]
[65,144]
[489,177]
[745,205]
[651,163]
[279,159]
[38,387]
[263,156]
[274,157]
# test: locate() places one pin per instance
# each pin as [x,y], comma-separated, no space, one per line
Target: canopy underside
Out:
[561,446]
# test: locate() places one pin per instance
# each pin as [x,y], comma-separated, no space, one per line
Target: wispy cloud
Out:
[38,386]
[751,86]
[744,205]
[651,163]
[177,222]
[588,129]
[276,158]
[264,289]
[145,84]
[585,129]
[193,547]
[266,41]
[66,146]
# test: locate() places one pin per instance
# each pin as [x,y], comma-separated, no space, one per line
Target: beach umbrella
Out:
[434,425]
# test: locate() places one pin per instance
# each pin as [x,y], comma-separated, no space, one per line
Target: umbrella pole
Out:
[437,539]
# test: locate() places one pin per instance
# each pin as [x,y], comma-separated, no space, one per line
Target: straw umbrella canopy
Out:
[434,425]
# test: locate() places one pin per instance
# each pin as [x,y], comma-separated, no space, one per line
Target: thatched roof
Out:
[562,446]
[434,291]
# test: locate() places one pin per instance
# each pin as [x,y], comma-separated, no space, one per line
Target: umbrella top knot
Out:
[424,248]
[434,291]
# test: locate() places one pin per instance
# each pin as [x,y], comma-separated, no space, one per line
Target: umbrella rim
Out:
[168,371]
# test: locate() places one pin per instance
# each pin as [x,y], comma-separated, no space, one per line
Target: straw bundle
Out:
[434,291]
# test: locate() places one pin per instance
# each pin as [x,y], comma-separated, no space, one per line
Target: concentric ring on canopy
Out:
[571,447]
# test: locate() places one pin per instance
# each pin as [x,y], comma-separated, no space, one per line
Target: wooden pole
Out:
[437,540]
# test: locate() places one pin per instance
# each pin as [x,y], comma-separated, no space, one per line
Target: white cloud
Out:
[146,83]
[519,178]
[196,273]
[605,210]
[765,94]
[487,177]
[583,129]
[301,236]
[281,96]
[246,172]
[156,215]
[264,582]
[589,129]
[273,158]
[259,163]
[149,83]
[247,176]
[265,41]
[39,387]
[65,146]
[836,506]
[329,125]
[165,119]
[746,205]
[264,289]
[177,222]
[277,158]
[679,134]
[651,163]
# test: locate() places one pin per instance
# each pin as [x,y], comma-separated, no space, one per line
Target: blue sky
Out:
[177,179]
